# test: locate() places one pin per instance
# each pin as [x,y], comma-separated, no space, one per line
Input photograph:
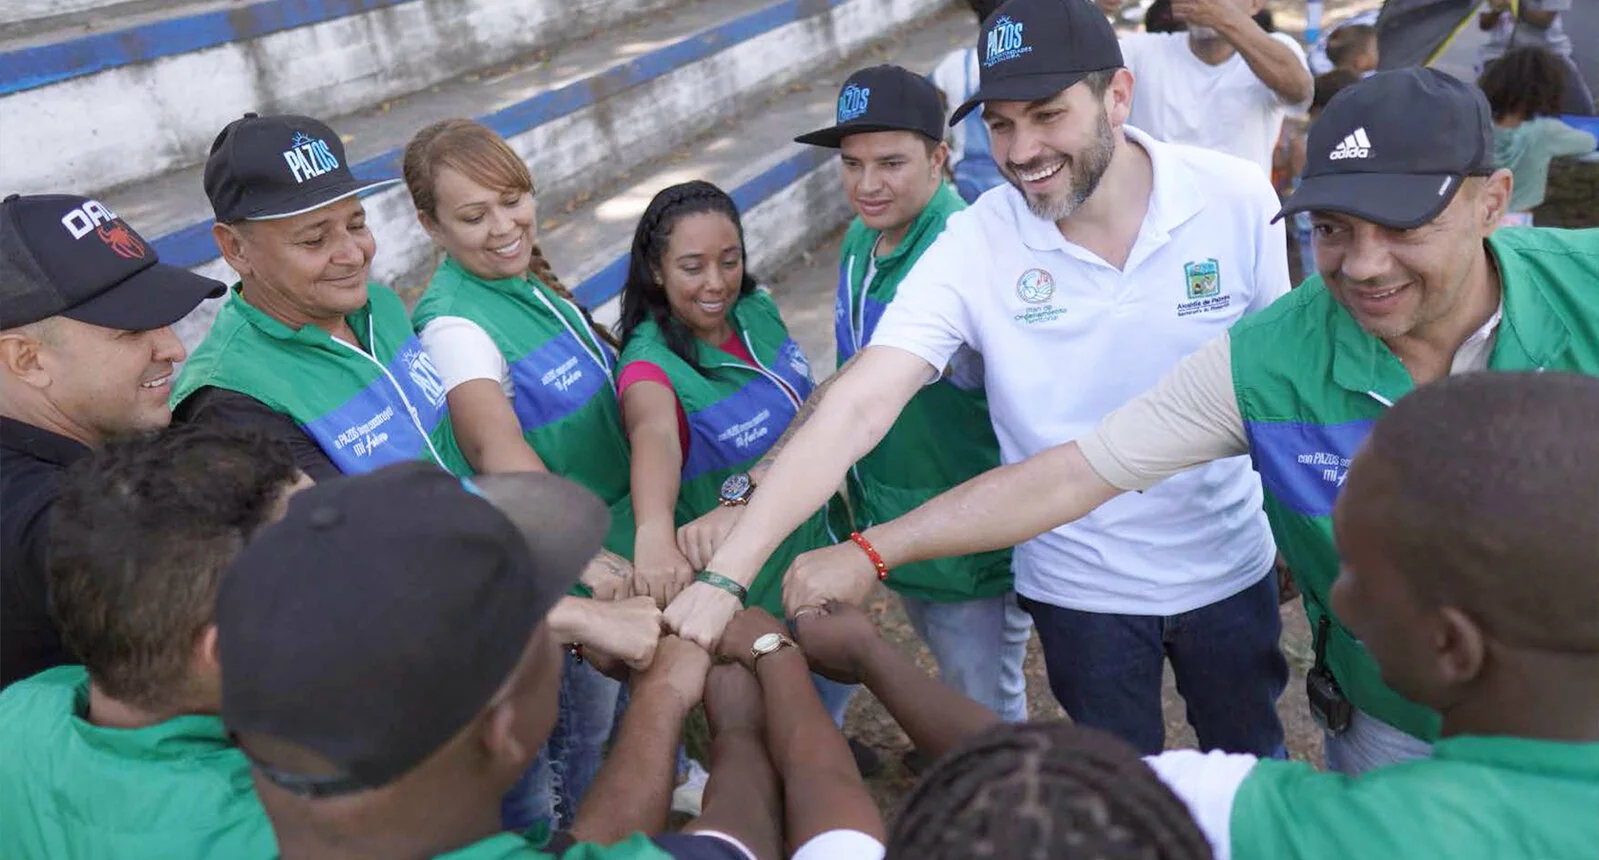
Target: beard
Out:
[1087,168]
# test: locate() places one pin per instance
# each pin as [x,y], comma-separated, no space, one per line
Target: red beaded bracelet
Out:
[871,553]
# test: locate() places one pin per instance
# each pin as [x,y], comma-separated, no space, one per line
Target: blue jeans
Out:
[551,789]
[980,646]
[1106,670]
[835,697]
[1370,743]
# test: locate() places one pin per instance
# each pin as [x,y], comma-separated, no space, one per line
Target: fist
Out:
[746,627]
[660,570]
[628,630]
[840,572]
[679,670]
[700,539]
[609,576]
[835,639]
[733,700]
[700,614]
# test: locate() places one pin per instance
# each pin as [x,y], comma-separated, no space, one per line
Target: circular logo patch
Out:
[1035,286]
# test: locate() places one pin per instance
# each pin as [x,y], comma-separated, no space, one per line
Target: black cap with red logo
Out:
[65,255]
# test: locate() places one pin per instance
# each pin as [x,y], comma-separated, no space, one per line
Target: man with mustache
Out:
[306,350]
[86,355]
[1224,84]
[1109,258]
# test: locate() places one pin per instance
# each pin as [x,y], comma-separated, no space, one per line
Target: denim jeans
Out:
[1106,670]
[1370,743]
[980,646]
[835,697]
[551,789]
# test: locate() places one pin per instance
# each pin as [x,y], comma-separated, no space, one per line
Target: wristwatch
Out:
[769,643]
[737,489]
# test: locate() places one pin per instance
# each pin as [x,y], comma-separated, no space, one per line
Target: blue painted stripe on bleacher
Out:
[607,282]
[27,68]
[192,246]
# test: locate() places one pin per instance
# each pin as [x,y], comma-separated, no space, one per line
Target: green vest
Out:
[735,413]
[1476,798]
[514,846]
[366,409]
[565,395]
[943,436]
[71,790]
[1310,383]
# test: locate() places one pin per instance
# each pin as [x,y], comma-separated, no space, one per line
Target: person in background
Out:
[86,355]
[1158,18]
[1534,23]
[1225,84]
[710,380]
[125,756]
[1291,161]
[406,752]
[1353,48]
[1525,89]
[306,350]
[971,159]
[529,383]
[1317,57]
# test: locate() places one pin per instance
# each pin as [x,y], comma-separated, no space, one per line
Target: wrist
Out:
[569,618]
[779,661]
[874,556]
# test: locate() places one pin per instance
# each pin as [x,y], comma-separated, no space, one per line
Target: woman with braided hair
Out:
[529,380]
[710,379]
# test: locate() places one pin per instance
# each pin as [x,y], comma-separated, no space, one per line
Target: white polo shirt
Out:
[1066,338]
[1180,98]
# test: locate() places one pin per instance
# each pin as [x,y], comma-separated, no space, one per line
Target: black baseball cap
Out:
[1033,49]
[382,613]
[883,98]
[265,167]
[1395,148]
[64,255]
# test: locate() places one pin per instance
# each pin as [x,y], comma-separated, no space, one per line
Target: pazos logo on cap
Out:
[1354,145]
[309,157]
[852,102]
[1004,42]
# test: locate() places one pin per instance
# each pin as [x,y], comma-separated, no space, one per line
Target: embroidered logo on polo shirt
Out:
[1202,288]
[1035,286]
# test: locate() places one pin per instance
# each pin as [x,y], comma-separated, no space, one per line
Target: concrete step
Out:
[97,105]
[581,118]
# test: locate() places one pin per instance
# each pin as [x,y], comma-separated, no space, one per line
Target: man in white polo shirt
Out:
[1224,84]
[1108,260]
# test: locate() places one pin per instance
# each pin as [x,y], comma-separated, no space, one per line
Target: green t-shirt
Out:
[1477,798]
[70,789]
[514,846]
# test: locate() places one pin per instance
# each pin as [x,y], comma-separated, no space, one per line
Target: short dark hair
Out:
[1099,81]
[1526,82]
[138,540]
[1051,790]
[1485,489]
[1345,42]
[1158,18]
[1329,85]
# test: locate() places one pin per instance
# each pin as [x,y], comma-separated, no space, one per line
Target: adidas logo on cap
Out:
[1354,145]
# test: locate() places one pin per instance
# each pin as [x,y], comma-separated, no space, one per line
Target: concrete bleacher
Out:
[607,100]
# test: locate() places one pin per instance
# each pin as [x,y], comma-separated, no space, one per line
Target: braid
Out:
[1044,790]
[541,269]
[642,296]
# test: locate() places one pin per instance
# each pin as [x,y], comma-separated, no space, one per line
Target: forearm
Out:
[1273,62]
[501,456]
[742,798]
[822,789]
[633,791]
[655,477]
[935,716]
[997,509]
[570,619]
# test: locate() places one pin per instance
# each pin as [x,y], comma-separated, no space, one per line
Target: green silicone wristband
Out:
[716,580]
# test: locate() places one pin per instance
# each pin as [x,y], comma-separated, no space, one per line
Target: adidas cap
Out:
[1395,148]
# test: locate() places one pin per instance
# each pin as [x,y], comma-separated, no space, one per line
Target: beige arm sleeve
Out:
[1190,418]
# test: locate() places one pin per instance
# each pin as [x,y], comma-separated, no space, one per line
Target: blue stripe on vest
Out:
[373,429]
[553,381]
[1304,465]
[793,368]
[737,428]
[843,330]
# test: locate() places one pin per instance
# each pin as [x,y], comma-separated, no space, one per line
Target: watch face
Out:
[736,487]
[767,643]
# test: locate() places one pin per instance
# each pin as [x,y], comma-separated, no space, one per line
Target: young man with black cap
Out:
[307,350]
[428,710]
[1110,258]
[86,355]
[125,755]
[1416,284]
[887,135]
